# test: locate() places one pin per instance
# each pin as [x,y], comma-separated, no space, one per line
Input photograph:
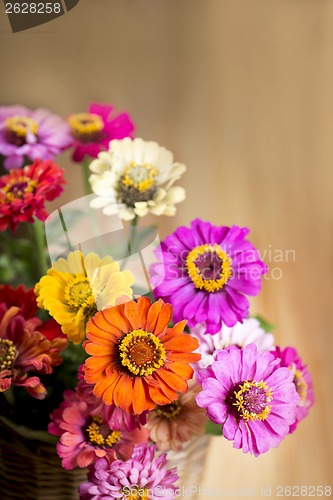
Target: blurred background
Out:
[241,92]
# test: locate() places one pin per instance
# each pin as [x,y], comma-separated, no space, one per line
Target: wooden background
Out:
[241,91]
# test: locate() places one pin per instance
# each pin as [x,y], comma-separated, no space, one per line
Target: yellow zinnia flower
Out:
[75,288]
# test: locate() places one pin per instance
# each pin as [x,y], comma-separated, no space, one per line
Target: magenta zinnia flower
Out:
[205,273]
[24,191]
[302,379]
[23,349]
[142,476]
[248,332]
[251,396]
[28,134]
[92,131]
[85,436]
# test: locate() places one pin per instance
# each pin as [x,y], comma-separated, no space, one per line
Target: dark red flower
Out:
[20,297]
[52,330]
[23,349]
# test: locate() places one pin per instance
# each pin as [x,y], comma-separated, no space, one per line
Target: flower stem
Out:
[9,396]
[37,235]
[131,241]
[86,175]
[132,235]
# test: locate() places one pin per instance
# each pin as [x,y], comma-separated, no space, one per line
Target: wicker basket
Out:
[190,463]
[30,468]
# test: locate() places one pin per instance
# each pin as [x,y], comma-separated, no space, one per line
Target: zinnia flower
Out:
[142,477]
[139,175]
[302,379]
[116,418]
[20,297]
[250,396]
[32,135]
[23,349]
[75,288]
[136,361]
[248,332]
[24,191]
[172,425]
[92,131]
[84,437]
[205,273]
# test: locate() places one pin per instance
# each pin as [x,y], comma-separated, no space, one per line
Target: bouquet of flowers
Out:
[123,354]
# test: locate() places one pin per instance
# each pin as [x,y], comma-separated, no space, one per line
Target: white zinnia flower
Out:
[248,332]
[136,177]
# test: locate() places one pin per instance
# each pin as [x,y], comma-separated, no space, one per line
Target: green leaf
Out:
[213,429]
[265,325]
[143,236]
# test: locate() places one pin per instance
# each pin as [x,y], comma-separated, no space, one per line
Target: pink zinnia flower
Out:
[251,396]
[172,425]
[28,134]
[23,349]
[248,332]
[206,272]
[302,379]
[92,131]
[84,436]
[24,191]
[141,476]
[116,418]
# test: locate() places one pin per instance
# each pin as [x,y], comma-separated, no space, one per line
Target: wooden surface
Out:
[241,91]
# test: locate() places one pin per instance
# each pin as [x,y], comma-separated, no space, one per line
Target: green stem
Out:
[38,237]
[86,175]
[9,396]
[131,240]
[132,235]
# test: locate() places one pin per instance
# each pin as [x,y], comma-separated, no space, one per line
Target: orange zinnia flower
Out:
[136,361]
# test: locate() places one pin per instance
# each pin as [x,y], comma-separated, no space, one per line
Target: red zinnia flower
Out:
[23,192]
[136,360]
[20,297]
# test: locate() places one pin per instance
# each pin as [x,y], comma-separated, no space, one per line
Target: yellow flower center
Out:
[86,127]
[18,187]
[7,354]
[139,176]
[99,434]
[300,384]
[209,267]
[20,126]
[251,400]
[141,352]
[169,411]
[78,296]
[136,493]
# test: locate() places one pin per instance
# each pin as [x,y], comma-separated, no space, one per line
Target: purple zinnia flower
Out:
[92,131]
[32,134]
[248,332]
[205,273]
[251,396]
[141,476]
[302,379]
